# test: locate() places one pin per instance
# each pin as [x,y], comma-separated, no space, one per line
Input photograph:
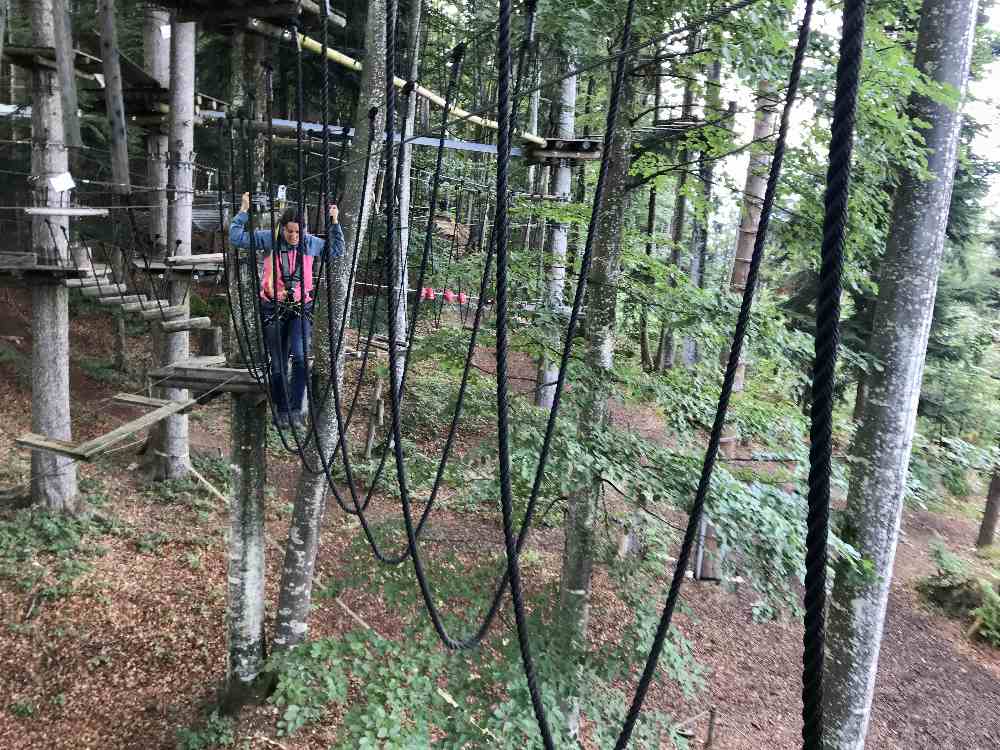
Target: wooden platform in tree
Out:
[224,16]
[201,375]
[21,272]
[555,149]
[91,449]
[85,65]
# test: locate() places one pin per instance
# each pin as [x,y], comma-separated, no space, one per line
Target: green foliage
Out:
[46,552]
[989,611]
[216,731]
[101,370]
[309,677]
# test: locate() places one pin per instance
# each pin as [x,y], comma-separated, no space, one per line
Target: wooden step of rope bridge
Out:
[91,449]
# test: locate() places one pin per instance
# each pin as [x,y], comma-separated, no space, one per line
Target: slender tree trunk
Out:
[171,458]
[295,595]
[753,195]
[580,193]
[53,477]
[666,352]
[645,353]
[113,99]
[4,16]
[580,546]
[903,314]
[122,187]
[65,64]
[247,647]
[400,270]
[562,183]
[699,227]
[988,528]
[248,462]
[156,56]
[644,350]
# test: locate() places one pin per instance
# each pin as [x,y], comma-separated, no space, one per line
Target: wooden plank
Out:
[90,282]
[146,304]
[56,211]
[132,398]
[18,260]
[98,445]
[202,259]
[103,289]
[121,299]
[224,379]
[53,445]
[166,312]
[185,324]
[209,360]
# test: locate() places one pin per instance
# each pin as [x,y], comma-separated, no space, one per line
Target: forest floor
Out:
[122,650]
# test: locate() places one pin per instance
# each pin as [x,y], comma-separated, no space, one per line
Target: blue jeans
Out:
[286,337]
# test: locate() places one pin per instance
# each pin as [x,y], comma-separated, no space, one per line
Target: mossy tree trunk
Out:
[562,184]
[903,313]
[581,538]
[53,477]
[295,595]
[171,457]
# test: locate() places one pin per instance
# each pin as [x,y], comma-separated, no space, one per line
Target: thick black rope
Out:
[501,229]
[742,323]
[827,336]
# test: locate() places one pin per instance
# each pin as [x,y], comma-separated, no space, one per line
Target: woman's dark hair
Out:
[288,215]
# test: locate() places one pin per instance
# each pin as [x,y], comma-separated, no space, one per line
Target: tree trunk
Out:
[666,352]
[65,64]
[400,269]
[905,306]
[988,528]
[156,56]
[113,99]
[121,187]
[699,227]
[581,538]
[753,195]
[4,15]
[860,397]
[562,183]
[245,611]
[53,477]
[245,608]
[171,459]
[295,595]
[644,350]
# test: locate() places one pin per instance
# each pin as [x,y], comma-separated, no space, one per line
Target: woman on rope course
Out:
[286,299]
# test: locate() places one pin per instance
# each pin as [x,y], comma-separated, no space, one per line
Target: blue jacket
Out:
[264,240]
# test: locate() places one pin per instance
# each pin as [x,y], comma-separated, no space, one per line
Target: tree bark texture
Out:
[562,184]
[246,547]
[156,57]
[988,528]
[400,267]
[666,352]
[580,543]
[903,314]
[172,459]
[53,477]
[4,16]
[753,196]
[248,462]
[295,595]
[65,64]
[699,225]
[113,99]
